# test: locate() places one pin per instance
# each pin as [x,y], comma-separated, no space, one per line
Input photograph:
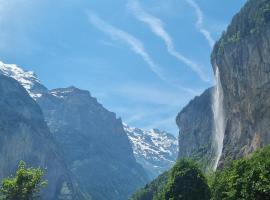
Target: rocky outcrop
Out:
[155,150]
[195,124]
[242,56]
[24,135]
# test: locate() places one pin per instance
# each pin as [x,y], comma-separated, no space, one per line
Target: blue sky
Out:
[144,60]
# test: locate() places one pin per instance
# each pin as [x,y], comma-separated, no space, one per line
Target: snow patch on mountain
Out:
[155,150]
[27,79]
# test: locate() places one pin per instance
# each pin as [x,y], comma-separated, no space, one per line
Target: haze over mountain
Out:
[93,143]
[92,140]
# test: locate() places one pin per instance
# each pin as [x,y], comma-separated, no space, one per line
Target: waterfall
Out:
[219,119]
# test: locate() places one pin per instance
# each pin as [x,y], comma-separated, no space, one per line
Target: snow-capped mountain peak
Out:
[27,79]
[155,150]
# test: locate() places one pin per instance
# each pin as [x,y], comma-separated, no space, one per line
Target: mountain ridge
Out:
[94,144]
[25,136]
[155,150]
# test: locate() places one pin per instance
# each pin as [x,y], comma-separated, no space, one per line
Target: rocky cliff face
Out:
[95,146]
[195,124]
[24,135]
[155,150]
[242,56]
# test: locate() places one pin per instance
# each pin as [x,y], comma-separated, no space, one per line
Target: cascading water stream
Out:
[219,119]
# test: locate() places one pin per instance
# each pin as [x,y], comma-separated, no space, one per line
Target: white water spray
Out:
[219,119]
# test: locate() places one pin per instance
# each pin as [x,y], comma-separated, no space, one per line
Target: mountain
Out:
[240,60]
[231,120]
[155,150]
[242,57]
[24,135]
[195,123]
[95,146]
[234,116]
[27,79]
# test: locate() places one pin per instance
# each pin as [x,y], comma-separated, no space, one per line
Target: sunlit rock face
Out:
[242,55]
[27,79]
[155,150]
[242,58]
[24,135]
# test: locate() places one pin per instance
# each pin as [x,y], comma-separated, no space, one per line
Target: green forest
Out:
[243,179]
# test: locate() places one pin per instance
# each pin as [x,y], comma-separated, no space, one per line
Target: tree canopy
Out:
[186,182]
[25,185]
[243,179]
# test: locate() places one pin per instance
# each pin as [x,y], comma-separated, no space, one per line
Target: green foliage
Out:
[151,191]
[244,179]
[187,182]
[25,185]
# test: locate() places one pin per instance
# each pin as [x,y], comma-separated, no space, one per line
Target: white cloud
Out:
[157,27]
[136,46]
[199,22]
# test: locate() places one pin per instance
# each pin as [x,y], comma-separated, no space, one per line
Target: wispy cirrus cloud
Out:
[199,22]
[136,46]
[134,43]
[157,27]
